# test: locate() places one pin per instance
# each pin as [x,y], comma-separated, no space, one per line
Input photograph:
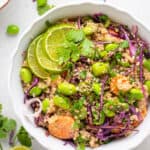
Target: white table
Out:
[22,13]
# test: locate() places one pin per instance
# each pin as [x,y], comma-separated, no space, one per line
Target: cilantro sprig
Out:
[8,125]
[23,137]
[76,45]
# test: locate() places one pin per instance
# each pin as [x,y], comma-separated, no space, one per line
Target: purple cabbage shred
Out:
[34,83]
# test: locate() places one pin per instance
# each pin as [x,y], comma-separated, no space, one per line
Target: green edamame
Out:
[100,68]
[89,29]
[147,83]
[99,118]
[67,88]
[108,110]
[103,53]
[135,94]
[96,88]
[146,64]
[25,75]
[35,91]
[111,47]
[12,29]
[45,105]
[82,113]
[41,3]
[62,102]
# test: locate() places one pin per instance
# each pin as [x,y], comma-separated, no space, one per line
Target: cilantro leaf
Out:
[81,146]
[63,54]
[1,148]
[3,134]
[87,48]
[75,35]
[75,55]
[9,125]
[124,44]
[83,74]
[23,137]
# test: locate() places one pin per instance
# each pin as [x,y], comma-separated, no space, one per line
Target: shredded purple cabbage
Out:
[11,137]
[134,30]
[138,114]
[34,83]
[102,42]
[102,91]
[132,47]
[79,22]
[90,118]
[96,16]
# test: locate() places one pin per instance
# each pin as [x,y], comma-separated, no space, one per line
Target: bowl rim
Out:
[4,5]
[120,9]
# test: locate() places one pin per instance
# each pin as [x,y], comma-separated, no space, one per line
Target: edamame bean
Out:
[111,47]
[25,75]
[96,88]
[124,106]
[135,94]
[100,120]
[35,91]
[41,3]
[146,64]
[67,88]
[108,110]
[100,68]
[103,53]
[89,29]
[147,83]
[82,113]
[62,102]
[45,105]
[12,29]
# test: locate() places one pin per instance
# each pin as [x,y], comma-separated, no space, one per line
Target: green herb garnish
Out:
[75,35]
[87,48]
[23,137]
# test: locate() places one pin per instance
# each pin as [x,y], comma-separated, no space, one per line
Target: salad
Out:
[87,80]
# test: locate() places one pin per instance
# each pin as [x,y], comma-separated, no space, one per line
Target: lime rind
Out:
[33,63]
[44,60]
[55,38]
[20,147]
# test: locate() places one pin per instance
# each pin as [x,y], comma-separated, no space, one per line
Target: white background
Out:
[22,13]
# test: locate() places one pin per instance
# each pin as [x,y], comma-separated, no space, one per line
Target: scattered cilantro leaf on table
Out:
[23,137]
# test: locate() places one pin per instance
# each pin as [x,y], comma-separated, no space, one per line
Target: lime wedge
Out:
[55,40]
[20,148]
[33,63]
[44,60]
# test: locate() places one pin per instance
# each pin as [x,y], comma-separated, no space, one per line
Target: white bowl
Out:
[15,87]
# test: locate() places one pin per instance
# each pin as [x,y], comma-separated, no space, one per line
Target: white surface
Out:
[22,13]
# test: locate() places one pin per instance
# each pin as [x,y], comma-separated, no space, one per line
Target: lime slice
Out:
[44,60]
[33,63]
[55,40]
[20,148]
